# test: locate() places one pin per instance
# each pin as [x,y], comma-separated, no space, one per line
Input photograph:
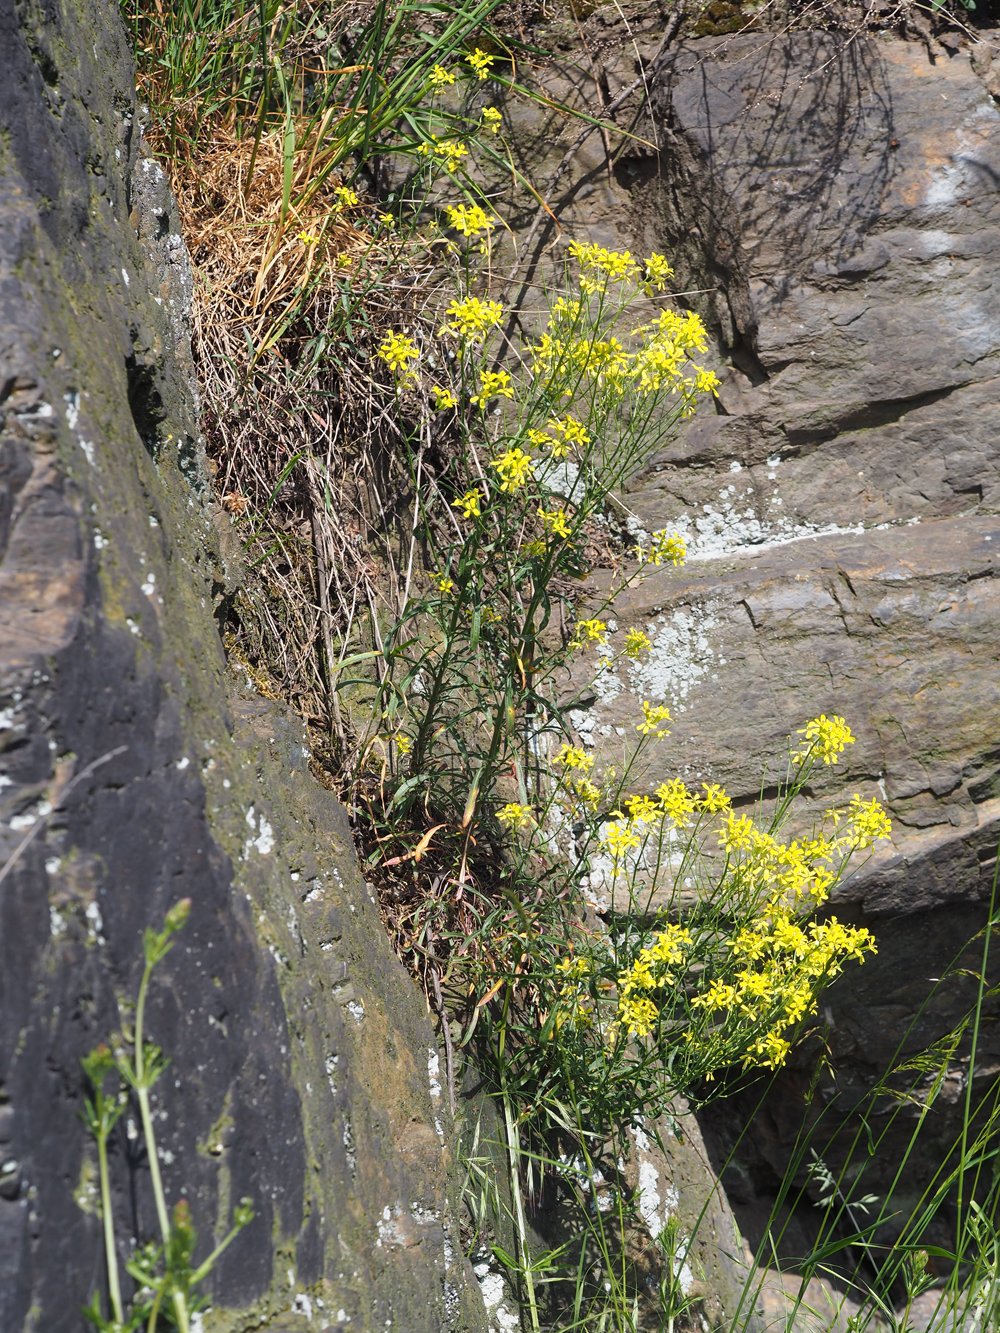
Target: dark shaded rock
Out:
[132,775]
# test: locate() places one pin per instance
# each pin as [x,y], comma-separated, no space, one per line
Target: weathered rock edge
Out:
[303,1067]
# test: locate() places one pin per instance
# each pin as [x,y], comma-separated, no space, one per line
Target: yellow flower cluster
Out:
[473,318]
[515,815]
[653,718]
[514,468]
[492,384]
[637,1012]
[660,361]
[440,77]
[345,196]
[469,219]
[805,868]
[663,546]
[656,273]
[449,152]
[588,631]
[637,642]
[397,350]
[469,504]
[492,119]
[823,738]
[867,822]
[570,348]
[573,757]
[599,266]
[782,966]
[444,399]
[555,521]
[480,62]
[560,353]
[677,802]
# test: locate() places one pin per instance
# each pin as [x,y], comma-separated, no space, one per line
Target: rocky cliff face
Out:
[831,204]
[303,1070]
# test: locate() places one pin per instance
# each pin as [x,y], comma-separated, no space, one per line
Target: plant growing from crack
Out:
[164,1271]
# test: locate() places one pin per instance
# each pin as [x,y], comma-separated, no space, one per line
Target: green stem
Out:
[110,1253]
[149,1136]
[145,1109]
[510,1134]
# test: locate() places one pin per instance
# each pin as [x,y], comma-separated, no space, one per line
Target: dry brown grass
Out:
[296,417]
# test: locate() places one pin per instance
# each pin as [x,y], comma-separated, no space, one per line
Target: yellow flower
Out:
[573,757]
[714,798]
[440,77]
[449,151]
[656,274]
[588,631]
[824,738]
[584,792]
[480,62]
[345,196]
[469,504]
[473,318]
[444,583]
[868,822]
[738,833]
[573,967]
[665,545]
[492,119]
[402,742]
[492,384]
[653,718]
[308,238]
[636,1016]
[515,815]
[514,468]
[771,1051]
[720,995]
[444,399]
[619,838]
[636,642]
[571,430]
[706,381]
[642,809]
[397,350]
[469,219]
[556,521]
[670,944]
[678,802]
[599,266]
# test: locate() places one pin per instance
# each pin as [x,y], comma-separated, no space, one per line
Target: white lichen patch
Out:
[681,655]
[356,1009]
[742,521]
[95,923]
[494,1291]
[18,823]
[658,1203]
[264,841]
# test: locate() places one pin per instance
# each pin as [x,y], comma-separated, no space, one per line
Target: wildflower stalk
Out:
[101,1114]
